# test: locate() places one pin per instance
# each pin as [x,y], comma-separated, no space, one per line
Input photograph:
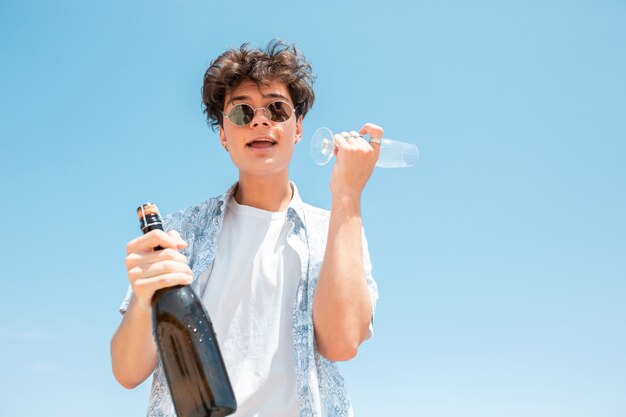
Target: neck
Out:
[266,193]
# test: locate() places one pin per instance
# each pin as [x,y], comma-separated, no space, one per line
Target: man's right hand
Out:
[150,270]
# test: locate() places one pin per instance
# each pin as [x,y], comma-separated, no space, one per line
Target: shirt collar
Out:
[295,211]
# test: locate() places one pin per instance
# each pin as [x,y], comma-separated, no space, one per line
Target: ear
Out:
[223,138]
[299,129]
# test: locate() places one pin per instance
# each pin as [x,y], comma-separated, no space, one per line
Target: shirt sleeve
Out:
[371,284]
[126,302]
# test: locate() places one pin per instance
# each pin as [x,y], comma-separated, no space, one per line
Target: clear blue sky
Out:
[500,257]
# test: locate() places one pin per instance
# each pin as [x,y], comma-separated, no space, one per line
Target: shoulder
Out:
[198,216]
[316,221]
[315,211]
[315,217]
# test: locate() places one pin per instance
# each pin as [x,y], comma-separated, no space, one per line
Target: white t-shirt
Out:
[250,298]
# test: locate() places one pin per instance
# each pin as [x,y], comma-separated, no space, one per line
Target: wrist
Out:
[348,203]
[142,304]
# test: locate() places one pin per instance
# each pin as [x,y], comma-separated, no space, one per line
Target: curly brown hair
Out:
[278,62]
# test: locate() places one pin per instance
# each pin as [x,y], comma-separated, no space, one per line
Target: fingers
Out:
[135,259]
[340,142]
[141,265]
[163,271]
[356,158]
[355,141]
[350,139]
[154,238]
[375,133]
[149,286]
[353,153]
[150,270]
[142,283]
[144,289]
[372,130]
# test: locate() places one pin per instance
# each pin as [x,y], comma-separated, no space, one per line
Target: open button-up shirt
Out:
[321,389]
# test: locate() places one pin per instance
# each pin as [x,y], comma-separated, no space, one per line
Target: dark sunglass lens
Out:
[279,111]
[241,114]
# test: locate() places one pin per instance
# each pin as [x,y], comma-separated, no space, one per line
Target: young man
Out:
[288,286]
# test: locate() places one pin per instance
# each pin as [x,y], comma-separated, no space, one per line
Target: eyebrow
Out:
[270,95]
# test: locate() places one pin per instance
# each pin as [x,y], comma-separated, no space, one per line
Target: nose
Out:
[262,119]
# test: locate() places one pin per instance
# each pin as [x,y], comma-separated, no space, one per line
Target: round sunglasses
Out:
[242,114]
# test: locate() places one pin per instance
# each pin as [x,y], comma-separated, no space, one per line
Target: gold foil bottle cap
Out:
[149,217]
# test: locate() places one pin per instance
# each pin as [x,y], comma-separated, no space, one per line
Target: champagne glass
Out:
[393,153]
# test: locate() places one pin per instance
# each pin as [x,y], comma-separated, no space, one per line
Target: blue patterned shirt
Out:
[321,389]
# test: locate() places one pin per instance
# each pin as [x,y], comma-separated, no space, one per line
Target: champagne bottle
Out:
[193,365]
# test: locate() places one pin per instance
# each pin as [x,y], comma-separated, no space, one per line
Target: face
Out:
[262,147]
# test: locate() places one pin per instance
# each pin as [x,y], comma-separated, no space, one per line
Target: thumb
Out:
[180,243]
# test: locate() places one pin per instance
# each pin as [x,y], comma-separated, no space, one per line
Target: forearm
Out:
[133,350]
[341,304]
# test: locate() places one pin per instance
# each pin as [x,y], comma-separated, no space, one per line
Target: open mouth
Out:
[261,143]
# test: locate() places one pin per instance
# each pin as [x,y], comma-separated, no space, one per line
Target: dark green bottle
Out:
[193,365]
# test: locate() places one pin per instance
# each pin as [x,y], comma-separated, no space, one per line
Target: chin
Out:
[263,168]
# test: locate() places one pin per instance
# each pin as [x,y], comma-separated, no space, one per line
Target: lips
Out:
[261,143]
